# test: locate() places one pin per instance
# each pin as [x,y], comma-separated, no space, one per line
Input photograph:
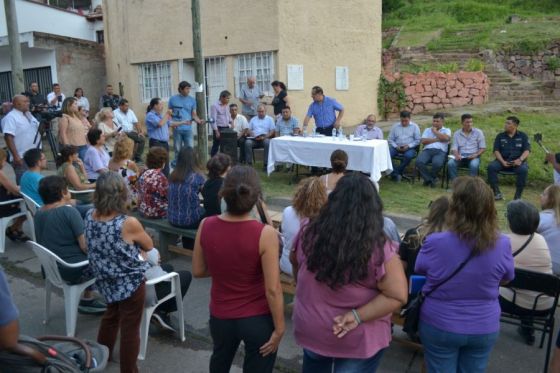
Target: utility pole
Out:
[15,48]
[202,143]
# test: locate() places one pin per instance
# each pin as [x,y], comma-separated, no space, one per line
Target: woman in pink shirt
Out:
[349,282]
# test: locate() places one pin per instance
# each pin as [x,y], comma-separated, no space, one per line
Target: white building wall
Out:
[41,18]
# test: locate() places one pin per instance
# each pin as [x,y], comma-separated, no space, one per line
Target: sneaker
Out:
[498,196]
[91,307]
[163,320]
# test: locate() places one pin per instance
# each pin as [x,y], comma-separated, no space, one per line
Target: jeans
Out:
[139,142]
[165,145]
[520,171]
[19,170]
[472,164]
[434,156]
[408,156]
[182,139]
[315,363]
[125,315]
[82,151]
[227,335]
[452,352]
[252,143]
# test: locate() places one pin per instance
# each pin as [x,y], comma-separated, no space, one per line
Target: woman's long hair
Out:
[310,197]
[153,102]
[435,221]
[472,213]
[187,163]
[552,200]
[341,240]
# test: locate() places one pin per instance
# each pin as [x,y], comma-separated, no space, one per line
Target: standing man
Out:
[21,132]
[287,125]
[436,143]
[219,112]
[184,113]
[404,140]
[109,99]
[369,130]
[324,110]
[511,149]
[250,95]
[56,97]
[468,145]
[35,97]
[241,127]
[127,120]
[261,129]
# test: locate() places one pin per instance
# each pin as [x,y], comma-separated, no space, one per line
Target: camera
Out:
[111,101]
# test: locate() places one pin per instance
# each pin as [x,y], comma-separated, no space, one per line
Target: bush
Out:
[391,5]
[451,67]
[474,64]
[471,12]
[553,63]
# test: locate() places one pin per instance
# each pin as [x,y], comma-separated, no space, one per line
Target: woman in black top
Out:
[217,167]
[280,100]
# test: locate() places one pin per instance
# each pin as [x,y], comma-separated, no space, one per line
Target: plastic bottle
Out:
[334,134]
[313,131]
[341,134]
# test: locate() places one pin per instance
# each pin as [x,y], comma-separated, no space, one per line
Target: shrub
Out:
[471,12]
[474,64]
[553,63]
[451,67]
[391,5]
[390,96]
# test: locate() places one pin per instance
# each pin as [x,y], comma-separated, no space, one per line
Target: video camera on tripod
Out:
[538,139]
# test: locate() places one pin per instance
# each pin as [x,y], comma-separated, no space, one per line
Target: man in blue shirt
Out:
[404,140]
[261,129]
[323,110]
[184,114]
[436,144]
[36,161]
[511,149]
[287,125]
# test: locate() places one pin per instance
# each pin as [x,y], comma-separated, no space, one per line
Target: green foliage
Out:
[451,67]
[390,96]
[525,46]
[474,64]
[391,5]
[474,12]
[553,63]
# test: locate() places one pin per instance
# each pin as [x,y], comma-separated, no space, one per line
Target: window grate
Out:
[259,65]
[154,80]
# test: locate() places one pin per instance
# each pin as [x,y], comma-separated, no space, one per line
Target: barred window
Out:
[259,65]
[154,80]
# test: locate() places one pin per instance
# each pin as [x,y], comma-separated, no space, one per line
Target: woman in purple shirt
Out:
[349,282]
[460,320]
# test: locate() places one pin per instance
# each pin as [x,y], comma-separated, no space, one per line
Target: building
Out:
[334,44]
[58,46]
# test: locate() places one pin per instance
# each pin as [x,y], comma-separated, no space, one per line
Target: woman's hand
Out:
[272,345]
[344,323]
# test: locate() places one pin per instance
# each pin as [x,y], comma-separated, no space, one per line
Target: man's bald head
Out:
[251,81]
[21,103]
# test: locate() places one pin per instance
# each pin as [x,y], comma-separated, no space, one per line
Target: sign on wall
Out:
[295,77]
[342,83]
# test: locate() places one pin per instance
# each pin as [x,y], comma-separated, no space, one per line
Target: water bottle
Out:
[341,134]
[334,134]
[313,131]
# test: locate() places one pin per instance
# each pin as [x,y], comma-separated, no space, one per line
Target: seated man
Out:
[468,144]
[60,228]
[36,161]
[511,149]
[261,129]
[403,139]
[369,130]
[241,127]
[436,142]
[287,125]
[126,119]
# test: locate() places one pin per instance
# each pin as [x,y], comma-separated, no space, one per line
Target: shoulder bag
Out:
[524,245]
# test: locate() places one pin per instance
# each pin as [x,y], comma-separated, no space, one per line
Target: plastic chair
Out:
[544,285]
[5,221]
[50,261]
[172,277]
[30,204]
[85,191]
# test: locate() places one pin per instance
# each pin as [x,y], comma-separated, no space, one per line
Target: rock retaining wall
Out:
[533,66]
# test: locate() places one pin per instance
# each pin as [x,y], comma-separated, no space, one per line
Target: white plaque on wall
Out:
[342,78]
[295,77]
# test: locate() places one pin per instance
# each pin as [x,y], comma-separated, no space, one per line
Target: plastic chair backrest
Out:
[49,261]
[31,205]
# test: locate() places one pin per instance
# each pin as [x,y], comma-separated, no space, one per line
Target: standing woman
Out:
[109,128]
[115,242]
[246,301]
[280,100]
[82,100]
[71,128]
[349,282]
[460,320]
[158,127]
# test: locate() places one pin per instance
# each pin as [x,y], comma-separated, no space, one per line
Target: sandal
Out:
[11,234]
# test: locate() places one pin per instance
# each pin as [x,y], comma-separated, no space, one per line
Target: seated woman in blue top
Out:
[185,182]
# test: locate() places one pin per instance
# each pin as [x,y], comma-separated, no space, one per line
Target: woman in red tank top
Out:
[241,256]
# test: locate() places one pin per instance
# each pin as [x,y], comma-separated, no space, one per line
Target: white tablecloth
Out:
[370,156]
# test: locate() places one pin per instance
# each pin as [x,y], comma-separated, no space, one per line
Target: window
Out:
[155,80]
[260,65]
[100,36]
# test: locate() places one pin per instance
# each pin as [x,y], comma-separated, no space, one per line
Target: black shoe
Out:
[528,334]
[92,307]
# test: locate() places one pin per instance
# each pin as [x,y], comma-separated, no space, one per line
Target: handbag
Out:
[524,245]
[411,314]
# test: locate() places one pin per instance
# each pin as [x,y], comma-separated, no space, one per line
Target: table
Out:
[371,157]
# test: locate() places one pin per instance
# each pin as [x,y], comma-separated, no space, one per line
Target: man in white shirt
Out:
[126,119]
[21,132]
[436,143]
[56,97]
[261,129]
[241,127]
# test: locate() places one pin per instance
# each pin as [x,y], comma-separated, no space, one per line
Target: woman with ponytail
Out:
[339,161]
[241,255]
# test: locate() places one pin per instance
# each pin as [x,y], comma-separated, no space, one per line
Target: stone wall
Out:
[436,90]
[531,66]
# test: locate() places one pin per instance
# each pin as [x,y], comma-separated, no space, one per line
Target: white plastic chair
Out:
[72,293]
[5,222]
[172,277]
[30,204]
[85,191]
